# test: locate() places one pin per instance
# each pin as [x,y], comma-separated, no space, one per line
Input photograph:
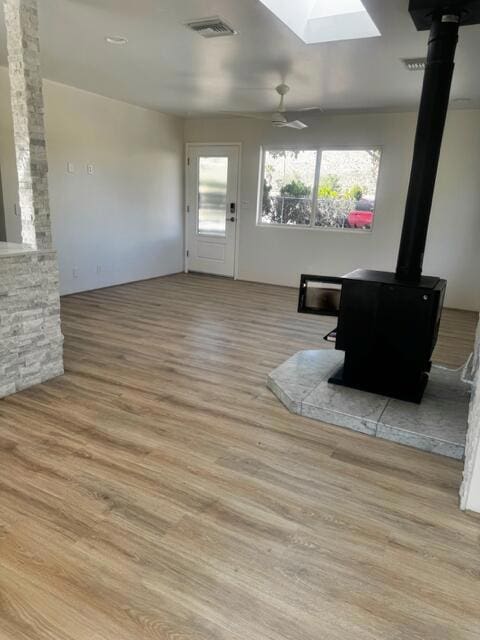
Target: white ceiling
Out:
[167,67]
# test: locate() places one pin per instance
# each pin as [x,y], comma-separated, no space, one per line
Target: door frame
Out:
[188,149]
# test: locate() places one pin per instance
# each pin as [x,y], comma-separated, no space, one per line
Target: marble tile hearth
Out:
[438,424]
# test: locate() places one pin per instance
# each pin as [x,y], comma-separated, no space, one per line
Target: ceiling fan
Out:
[278,118]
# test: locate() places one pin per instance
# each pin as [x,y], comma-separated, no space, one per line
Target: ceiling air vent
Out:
[211,27]
[415,64]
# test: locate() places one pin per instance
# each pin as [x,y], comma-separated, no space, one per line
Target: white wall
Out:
[280,255]
[127,218]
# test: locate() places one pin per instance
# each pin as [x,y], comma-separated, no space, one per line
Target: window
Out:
[289,180]
[329,188]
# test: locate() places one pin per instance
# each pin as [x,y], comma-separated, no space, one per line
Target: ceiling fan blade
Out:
[295,124]
[253,116]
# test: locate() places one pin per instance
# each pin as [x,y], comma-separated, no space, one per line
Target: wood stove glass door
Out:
[212,185]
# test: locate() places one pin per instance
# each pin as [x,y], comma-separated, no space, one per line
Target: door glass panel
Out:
[212,196]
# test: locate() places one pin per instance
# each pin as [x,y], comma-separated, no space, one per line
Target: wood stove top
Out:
[386,277]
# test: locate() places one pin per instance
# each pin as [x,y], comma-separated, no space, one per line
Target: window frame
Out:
[264,149]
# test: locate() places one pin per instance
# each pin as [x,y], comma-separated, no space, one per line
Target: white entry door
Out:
[212,191]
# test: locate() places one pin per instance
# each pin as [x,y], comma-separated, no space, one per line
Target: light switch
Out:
[90,169]
[70,167]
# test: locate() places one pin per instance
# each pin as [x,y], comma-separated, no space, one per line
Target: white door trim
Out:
[188,150]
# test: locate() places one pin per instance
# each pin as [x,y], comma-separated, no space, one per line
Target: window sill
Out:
[301,227]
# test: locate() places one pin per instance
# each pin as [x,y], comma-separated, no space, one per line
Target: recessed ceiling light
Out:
[116,40]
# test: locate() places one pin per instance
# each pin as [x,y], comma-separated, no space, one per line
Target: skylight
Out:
[317,21]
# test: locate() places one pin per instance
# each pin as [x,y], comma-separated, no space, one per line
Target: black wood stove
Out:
[388,322]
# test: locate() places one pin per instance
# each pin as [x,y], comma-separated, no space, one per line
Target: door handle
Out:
[233,207]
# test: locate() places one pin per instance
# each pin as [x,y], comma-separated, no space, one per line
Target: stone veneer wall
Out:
[472,449]
[31,341]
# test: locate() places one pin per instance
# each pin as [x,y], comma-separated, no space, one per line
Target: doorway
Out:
[212,208]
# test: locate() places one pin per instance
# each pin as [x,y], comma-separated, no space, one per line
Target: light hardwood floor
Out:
[158,490]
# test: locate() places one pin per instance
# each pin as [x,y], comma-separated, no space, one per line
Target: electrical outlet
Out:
[70,167]
[75,272]
[90,169]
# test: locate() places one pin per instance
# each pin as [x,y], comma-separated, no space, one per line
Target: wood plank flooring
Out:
[158,490]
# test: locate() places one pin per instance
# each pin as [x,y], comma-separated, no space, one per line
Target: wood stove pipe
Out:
[428,141]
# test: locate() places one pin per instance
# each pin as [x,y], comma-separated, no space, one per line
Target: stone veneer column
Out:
[31,340]
[21,20]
